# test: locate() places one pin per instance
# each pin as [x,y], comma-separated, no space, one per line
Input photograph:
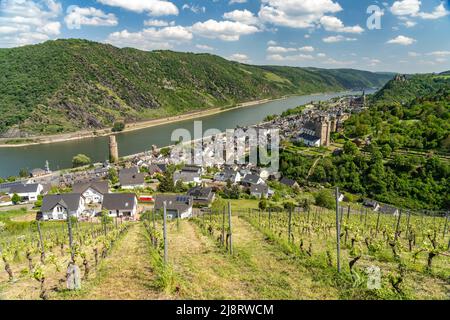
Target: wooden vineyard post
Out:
[270,217]
[445,225]
[41,242]
[259,217]
[290,225]
[348,214]
[408,226]
[341,212]
[338,233]
[378,223]
[153,218]
[165,232]
[365,219]
[69,226]
[398,224]
[116,222]
[223,226]
[229,228]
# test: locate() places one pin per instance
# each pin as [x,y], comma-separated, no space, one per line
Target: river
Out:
[59,155]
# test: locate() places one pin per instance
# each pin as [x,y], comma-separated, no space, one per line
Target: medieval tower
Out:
[113,150]
[324,131]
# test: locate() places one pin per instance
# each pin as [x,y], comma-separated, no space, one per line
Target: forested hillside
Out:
[67,85]
[404,155]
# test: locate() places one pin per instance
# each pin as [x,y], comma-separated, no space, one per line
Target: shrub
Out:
[324,198]
[80,160]
[118,126]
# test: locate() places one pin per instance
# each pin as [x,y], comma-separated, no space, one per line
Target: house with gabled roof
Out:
[26,192]
[203,196]
[289,182]
[93,192]
[120,204]
[58,206]
[131,179]
[176,205]
[260,191]
[251,179]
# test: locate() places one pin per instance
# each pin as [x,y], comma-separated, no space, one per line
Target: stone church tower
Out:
[323,131]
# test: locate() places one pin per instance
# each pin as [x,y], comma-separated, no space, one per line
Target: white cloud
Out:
[406,7]
[296,13]
[243,16]
[414,54]
[439,53]
[76,17]
[290,58]
[278,49]
[402,40]
[271,43]
[409,23]
[411,8]
[237,1]
[240,57]
[194,8]
[306,49]
[339,38]
[28,21]
[275,50]
[336,25]
[157,23]
[152,7]
[204,47]
[223,30]
[438,12]
[151,38]
[321,55]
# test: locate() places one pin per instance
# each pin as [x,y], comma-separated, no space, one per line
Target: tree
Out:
[262,204]
[386,150]
[80,160]
[325,199]
[165,151]
[180,187]
[23,173]
[350,148]
[113,176]
[118,126]
[166,184]
[15,198]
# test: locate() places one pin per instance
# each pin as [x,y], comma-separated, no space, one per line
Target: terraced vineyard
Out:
[254,255]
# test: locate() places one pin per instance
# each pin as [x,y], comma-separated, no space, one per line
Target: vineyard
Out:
[231,252]
[49,257]
[397,253]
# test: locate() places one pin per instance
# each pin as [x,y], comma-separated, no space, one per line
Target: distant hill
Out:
[404,89]
[68,85]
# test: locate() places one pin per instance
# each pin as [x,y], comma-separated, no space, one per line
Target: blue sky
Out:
[412,36]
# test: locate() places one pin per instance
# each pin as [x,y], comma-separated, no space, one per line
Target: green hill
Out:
[68,85]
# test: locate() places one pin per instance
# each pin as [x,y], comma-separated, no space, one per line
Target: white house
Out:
[92,192]
[120,204]
[309,140]
[27,192]
[57,206]
[176,205]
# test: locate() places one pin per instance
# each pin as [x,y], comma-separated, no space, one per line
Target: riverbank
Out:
[86,134]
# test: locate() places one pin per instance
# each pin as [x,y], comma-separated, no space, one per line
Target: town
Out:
[126,187]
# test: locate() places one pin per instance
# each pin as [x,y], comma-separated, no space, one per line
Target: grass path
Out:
[258,269]
[125,274]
